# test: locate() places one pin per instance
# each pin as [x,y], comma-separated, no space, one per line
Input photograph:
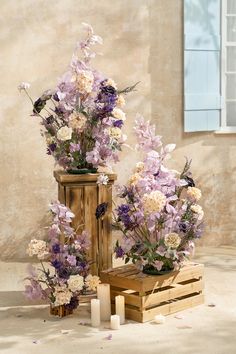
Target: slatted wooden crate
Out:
[82,194]
[147,295]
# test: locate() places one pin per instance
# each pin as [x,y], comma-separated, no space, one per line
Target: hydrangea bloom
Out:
[67,256]
[81,117]
[158,215]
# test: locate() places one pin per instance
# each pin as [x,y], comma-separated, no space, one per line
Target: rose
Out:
[64,133]
[75,283]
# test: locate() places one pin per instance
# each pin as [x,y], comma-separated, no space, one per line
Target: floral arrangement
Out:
[66,275]
[160,217]
[82,118]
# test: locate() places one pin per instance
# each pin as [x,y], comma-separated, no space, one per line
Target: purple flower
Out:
[74,303]
[72,260]
[56,264]
[101,210]
[118,123]
[74,147]
[56,248]
[119,252]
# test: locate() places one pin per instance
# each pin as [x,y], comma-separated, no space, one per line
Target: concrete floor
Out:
[204,329]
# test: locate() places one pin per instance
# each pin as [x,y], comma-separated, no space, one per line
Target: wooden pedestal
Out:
[148,295]
[82,195]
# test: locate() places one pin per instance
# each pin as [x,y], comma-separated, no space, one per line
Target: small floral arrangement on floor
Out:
[66,274]
[82,118]
[160,217]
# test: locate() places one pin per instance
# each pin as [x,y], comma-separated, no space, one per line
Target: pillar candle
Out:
[120,308]
[95,312]
[103,294]
[115,322]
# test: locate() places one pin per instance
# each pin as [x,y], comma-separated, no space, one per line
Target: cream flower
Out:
[172,240]
[139,166]
[92,282]
[197,209]
[111,82]
[85,81]
[64,133]
[115,132]
[62,295]
[154,202]
[37,248]
[23,86]
[75,282]
[133,180]
[102,179]
[194,193]
[77,121]
[120,102]
[118,114]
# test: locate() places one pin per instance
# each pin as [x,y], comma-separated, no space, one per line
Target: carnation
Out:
[194,193]
[115,133]
[77,121]
[118,114]
[37,248]
[172,240]
[92,282]
[133,180]
[85,81]
[64,133]
[62,295]
[139,166]
[197,209]
[75,283]
[154,202]
[120,101]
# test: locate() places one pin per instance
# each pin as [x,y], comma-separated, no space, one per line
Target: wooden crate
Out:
[60,311]
[82,194]
[147,295]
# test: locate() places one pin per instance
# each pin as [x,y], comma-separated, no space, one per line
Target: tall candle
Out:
[120,307]
[103,294]
[115,322]
[95,312]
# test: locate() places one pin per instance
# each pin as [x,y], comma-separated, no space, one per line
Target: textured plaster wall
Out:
[142,41]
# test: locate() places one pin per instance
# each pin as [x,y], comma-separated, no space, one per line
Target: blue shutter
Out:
[202,101]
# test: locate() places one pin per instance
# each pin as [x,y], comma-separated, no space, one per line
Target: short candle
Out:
[95,312]
[115,322]
[120,308]
[103,294]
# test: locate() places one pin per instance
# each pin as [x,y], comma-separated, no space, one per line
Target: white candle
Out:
[103,294]
[120,308]
[115,322]
[95,312]
[159,319]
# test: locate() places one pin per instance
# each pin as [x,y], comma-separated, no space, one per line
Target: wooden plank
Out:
[175,292]
[130,299]
[64,177]
[61,194]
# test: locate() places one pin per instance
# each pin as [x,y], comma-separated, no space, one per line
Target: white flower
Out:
[111,82]
[194,193]
[197,209]
[77,121]
[85,81]
[118,114]
[139,166]
[172,240]
[64,133]
[115,133]
[75,283]
[62,295]
[23,86]
[154,202]
[120,101]
[37,248]
[133,180]
[92,282]
[102,179]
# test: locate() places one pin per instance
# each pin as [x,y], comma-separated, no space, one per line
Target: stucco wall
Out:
[142,41]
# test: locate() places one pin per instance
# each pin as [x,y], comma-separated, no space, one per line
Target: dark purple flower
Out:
[101,210]
[56,248]
[56,264]
[64,273]
[119,252]
[118,123]
[73,304]
[106,100]
[39,104]
[55,97]
[184,226]
[50,119]
[124,217]
[190,181]
[51,148]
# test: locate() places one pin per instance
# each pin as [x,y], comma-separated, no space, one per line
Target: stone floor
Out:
[209,328]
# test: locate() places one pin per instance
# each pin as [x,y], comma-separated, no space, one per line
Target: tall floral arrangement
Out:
[82,118]
[64,272]
[160,217]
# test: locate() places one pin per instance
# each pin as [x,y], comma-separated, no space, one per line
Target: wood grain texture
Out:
[82,195]
[147,296]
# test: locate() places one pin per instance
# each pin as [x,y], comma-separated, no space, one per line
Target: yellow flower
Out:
[120,101]
[134,179]
[111,82]
[85,81]
[197,209]
[154,202]
[118,114]
[92,282]
[139,166]
[194,193]
[115,133]
[172,240]
[77,121]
